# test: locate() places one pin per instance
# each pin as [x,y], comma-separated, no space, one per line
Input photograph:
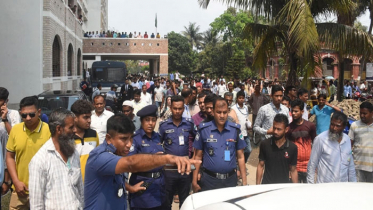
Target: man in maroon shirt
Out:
[301,132]
[201,115]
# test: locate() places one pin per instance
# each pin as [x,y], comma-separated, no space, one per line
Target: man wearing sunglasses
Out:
[25,139]
[9,117]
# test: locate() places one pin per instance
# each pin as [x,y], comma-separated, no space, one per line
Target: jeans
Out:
[158,103]
[247,149]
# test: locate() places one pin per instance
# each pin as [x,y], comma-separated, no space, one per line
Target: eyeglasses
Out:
[29,114]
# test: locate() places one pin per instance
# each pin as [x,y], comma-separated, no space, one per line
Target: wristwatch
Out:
[4,120]
[9,183]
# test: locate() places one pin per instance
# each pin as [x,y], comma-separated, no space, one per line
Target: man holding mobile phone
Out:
[9,117]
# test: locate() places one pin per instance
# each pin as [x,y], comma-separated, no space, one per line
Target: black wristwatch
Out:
[9,183]
[4,120]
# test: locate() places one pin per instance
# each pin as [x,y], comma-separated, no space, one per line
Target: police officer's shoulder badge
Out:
[132,147]
[241,136]
[197,137]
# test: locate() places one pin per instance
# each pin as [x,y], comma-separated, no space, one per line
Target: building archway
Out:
[70,58]
[56,57]
[78,62]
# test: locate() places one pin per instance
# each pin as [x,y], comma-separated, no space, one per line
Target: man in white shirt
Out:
[9,117]
[303,96]
[177,75]
[145,96]
[242,113]
[159,95]
[99,117]
[331,154]
[88,76]
[135,84]
[362,86]
[222,88]
[138,104]
[55,180]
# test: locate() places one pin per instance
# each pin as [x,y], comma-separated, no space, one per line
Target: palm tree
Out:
[192,33]
[292,23]
[209,37]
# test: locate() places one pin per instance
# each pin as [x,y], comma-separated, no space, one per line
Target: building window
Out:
[327,66]
[70,60]
[56,57]
[78,61]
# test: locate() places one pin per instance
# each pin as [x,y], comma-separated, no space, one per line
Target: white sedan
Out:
[331,196]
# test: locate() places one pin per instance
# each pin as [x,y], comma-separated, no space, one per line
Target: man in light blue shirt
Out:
[323,111]
[186,93]
[347,90]
[331,154]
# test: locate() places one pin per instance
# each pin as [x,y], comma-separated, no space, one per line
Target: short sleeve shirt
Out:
[277,160]
[322,117]
[362,134]
[159,92]
[101,183]
[214,143]
[25,144]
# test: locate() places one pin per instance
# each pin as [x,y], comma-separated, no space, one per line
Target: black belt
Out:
[219,175]
[154,175]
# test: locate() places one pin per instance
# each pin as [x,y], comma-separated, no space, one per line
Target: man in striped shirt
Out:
[361,133]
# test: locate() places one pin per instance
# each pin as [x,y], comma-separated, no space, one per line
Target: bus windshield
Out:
[108,75]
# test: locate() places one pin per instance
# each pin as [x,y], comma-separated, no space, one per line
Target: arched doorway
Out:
[327,66]
[78,62]
[56,57]
[70,58]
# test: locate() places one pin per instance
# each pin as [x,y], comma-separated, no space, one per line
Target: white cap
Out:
[127,103]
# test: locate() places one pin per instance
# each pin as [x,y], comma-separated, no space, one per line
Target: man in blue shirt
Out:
[347,90]
[175,133]
[220,144]
[172,77]
[104,180]
[323,111]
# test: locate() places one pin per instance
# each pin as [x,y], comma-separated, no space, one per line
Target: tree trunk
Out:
[371,19]
[292,76]
[340,77]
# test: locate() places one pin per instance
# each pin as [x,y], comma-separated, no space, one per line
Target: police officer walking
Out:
[146,141]
[104,181]
[175,132]
[220,144]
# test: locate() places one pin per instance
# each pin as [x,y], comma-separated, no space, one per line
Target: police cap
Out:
[150,110]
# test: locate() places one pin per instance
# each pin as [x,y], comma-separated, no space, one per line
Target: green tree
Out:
[230,25]
[193,34]
[180,54]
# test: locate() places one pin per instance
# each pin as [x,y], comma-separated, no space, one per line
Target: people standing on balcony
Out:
[115,35]
[152,36]
[158,36]
[134,35]
[139,36]
[130,35]
[146,35]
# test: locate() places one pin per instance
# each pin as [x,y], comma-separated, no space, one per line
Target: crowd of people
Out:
[92,158]
[114,34]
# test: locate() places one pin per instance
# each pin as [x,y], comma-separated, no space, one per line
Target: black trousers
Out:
[211,183]
[302,177]
[177,183]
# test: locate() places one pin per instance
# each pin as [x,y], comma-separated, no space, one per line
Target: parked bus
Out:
[108,73]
